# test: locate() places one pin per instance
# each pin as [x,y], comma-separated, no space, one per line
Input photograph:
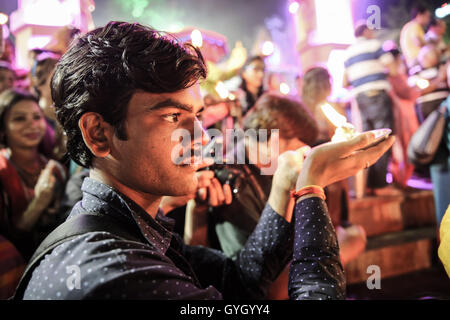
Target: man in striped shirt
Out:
[366,70]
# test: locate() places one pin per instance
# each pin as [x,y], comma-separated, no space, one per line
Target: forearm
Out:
[316,271]
[31,215]
[265,254]
[279,200]
[196,224]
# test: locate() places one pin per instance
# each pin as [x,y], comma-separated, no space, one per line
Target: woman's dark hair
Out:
[250,100]
[103,68]
[274,111]
[316,86]
[8,99]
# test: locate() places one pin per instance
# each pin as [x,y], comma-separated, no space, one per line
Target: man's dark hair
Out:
[360,28]
[8,99]
[105,67]
[274,111]
[418,9]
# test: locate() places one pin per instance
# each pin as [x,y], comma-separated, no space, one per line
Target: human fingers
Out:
[228,194]
[345,148]
[212,195]
[204,178]
[366,158]
[219,191]
[202,194]
[363,159]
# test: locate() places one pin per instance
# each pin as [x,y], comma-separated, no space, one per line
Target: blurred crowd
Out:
[392,86]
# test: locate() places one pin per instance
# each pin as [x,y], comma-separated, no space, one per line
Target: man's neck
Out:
[148,202]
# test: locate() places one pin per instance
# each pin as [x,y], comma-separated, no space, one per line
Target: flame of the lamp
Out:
[337,119]
[196,38]
[222,90]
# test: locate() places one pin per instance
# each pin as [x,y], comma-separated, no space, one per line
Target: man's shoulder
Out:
[75,268]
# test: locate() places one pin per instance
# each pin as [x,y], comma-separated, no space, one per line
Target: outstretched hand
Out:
[331,162]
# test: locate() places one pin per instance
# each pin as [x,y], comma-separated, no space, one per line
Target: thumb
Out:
[303,151]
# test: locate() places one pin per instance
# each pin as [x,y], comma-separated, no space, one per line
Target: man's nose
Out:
[200,134]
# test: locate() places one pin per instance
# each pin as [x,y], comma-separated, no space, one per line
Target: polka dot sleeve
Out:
[316,271]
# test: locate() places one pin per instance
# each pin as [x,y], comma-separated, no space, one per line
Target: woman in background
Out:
[31,185]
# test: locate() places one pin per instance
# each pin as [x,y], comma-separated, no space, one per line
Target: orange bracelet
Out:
[308,190]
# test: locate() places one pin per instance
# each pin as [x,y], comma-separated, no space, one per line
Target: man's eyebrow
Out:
[172,104]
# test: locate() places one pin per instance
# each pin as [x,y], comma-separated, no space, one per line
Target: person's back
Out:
[366,66]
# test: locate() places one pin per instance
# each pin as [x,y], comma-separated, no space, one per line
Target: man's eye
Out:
[174,117]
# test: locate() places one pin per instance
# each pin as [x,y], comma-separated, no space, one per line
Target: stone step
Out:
[394,253]
[381,215]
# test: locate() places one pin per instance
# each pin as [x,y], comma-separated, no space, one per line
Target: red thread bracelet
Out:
[308,190]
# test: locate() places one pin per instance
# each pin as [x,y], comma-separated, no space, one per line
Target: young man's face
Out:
[143,162]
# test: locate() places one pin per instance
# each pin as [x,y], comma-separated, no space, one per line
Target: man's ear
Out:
[95,132]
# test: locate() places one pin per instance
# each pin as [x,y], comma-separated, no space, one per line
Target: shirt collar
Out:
[101,198]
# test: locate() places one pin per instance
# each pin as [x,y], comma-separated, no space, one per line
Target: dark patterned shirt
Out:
[100,265]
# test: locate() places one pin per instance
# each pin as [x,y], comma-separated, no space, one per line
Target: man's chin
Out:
[185,185]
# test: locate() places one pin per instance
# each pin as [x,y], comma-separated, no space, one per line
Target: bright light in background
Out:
[274,60]
[222,90]
[443,11]
[267,48]
[293,7]
[47,13]
[3,18]
[284,88]
[196,38]
[38,41]
[175,27]
[335,66]
[422,83]
[334,21]
[231,96]
[337,119]
[91,8]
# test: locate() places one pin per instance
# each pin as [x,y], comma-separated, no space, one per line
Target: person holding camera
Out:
[226,227]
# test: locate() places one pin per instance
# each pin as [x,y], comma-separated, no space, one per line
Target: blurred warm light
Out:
[3,18]
[196,38]
[231,96]
[422,83]
[443,11]
[337,119]
[38,41]
[91,8]
[293,7]
[175,27]
[267,48]
[222,90]
[284,88]
[334,21]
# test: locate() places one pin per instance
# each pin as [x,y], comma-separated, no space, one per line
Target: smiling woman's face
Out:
[24,125]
